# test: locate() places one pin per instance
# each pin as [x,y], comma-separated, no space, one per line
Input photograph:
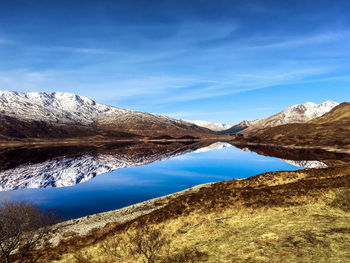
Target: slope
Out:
[239,127]
[299,113]
[66,115]
[331,129]
[214,126]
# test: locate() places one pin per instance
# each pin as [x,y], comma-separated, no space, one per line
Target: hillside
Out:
[331,129]
[300,216]
[66,115]
[239,127]
[12,128]
[299,113]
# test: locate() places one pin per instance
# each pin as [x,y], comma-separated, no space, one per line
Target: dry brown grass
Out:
[301,234]
[272,217]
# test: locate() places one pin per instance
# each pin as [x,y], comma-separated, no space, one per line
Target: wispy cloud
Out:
[167,89]
[25,80]
[240,82]
[180,58]
[299,40]
[186,114]
[92,51]
[4,40]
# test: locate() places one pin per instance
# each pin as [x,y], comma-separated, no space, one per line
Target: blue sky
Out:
[193,59]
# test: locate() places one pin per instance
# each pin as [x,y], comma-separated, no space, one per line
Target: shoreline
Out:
[296,147]
[77,142]
[252,208]
[83,225]
[99,142]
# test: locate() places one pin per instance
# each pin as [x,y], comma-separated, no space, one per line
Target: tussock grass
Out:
[309,233]
[342,200]
[273,217]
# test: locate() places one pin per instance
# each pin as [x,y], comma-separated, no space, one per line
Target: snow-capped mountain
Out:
[71,169]
[299,113]
[239,127]
[27,111]
[214,126]
[54,107]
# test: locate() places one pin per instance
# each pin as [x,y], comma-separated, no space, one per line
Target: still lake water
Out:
[130,185]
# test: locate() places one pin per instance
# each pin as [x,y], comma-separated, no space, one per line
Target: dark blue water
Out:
[135,184]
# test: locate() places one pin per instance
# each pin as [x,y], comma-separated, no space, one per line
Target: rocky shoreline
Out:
[83,225]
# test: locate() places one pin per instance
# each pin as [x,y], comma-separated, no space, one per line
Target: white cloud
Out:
[4,40]
[161,89]
[93,51]
[186,114]
[24,80]
[240,82]
[301,40]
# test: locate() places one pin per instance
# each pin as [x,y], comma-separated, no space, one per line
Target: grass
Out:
[273,217]
[310,233]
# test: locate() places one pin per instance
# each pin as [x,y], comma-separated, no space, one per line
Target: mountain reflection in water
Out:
[68,166]
[39,175]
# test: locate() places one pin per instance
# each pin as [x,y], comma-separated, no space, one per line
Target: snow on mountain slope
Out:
[54,107]
[299,113]
[239,127]
[214,126]
[66,108]
[247,123]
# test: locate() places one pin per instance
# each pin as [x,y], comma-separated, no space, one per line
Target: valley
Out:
[204,186]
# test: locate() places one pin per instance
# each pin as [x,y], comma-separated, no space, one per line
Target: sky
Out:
[221,60]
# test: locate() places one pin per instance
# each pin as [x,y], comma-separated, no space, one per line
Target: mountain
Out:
[66,115]
[239,127]
[214,126]
[332,129]
[299,113]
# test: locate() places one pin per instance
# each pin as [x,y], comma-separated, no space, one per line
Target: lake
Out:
[79,181]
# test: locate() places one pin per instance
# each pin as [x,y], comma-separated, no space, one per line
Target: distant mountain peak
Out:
[239,127]
[214,126]
[298,113]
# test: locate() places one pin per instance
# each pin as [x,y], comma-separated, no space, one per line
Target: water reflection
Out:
[307,164]
[68,166]
[36,175]
[302,157]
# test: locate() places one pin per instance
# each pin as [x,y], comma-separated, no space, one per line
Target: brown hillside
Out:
[339,115]
[331,129]
[12,128]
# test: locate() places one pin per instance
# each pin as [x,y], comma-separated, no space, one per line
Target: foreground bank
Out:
[301,216]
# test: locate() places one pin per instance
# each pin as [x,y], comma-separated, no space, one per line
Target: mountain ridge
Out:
[299,113]
[331,129]
[66,115]
[239,127]
[214,126]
